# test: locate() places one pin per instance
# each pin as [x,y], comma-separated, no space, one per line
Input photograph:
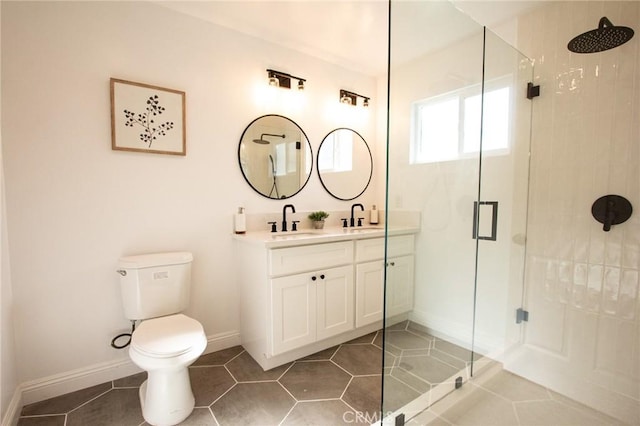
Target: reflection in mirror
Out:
[275,156]
[345,164]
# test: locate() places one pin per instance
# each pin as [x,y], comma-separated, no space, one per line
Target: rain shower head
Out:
[263,141]
[605,37]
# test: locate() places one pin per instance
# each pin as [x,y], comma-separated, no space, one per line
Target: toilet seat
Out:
[167,337]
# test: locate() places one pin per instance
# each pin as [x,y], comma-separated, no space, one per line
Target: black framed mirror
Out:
[275,156]
[345,164]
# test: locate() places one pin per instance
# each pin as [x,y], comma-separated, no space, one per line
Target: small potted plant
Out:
[317,219]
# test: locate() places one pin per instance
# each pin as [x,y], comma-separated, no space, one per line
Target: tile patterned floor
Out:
[504,399]
[420,360]
[332,387]
[230,388]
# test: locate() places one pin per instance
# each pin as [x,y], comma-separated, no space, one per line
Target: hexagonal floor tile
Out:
[322,355]
[259,404]
[133,381]
[42,421]
[116,407]
[359,359]
[378,340]
[409,379]
[199,417]
[396,394]
[407,340]
[65,403]
[219,357]
[427,368]
[245,369]
[333,412]
[367,338]
[455,350]
[209,383]
[363,394]
[315,380]
[402,325]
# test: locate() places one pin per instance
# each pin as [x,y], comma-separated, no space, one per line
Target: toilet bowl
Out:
[165,347]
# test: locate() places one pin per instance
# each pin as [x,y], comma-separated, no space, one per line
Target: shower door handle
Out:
[480,209]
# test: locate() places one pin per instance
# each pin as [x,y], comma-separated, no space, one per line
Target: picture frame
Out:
[147,118]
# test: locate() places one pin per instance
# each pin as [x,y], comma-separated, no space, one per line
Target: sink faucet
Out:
[352,221]
[284,216]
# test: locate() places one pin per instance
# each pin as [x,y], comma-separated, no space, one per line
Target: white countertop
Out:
[316,236]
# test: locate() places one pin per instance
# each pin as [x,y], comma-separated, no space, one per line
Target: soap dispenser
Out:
[240,222]
[373,217]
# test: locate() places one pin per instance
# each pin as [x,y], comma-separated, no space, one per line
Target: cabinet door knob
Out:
[313,278]
[322,277]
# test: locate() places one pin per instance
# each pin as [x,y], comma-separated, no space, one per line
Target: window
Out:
[447,127]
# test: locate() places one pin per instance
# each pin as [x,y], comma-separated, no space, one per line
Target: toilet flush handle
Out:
[122,272]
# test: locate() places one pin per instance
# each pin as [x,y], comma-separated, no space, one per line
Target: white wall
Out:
[74,206]
[8,376]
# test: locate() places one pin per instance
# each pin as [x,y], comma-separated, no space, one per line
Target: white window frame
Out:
[415,151]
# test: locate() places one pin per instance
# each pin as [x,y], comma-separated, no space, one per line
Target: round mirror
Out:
[275,156]
[345,164]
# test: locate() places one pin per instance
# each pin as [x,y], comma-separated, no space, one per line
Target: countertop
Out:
[317,236]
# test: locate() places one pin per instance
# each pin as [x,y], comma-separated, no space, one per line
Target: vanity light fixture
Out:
[351,98]
[283,79]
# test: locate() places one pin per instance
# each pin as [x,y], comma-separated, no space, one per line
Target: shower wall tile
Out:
[628,294]
[579,296]
[596,245]
[582,284]
[613,247]
[631,249]
[610,290]
[565,275]
[594,285]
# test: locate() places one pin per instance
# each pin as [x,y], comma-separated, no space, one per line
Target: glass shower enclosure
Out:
[459,119]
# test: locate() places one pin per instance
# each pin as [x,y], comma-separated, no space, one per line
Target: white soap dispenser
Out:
[240,222]
[373,218]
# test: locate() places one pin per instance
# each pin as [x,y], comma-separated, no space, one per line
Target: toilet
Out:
[155,290]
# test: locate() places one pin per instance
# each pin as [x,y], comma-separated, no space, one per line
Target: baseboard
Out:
[71,381]
[222,341]
[13,410]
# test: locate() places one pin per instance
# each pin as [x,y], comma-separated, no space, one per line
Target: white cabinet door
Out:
[369,292]
[335,301]
[293,312]
[399,285]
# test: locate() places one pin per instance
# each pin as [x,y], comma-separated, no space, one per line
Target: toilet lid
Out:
[167,336]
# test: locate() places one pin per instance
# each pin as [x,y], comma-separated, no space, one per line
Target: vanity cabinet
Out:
[315,304]
[311,306]
[400,276]
[300,297]
[370,269]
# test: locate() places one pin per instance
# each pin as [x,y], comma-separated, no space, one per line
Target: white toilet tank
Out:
[155,285]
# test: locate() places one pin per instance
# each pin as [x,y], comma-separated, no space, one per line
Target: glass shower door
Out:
[504,184]
[458,153]
[433,180]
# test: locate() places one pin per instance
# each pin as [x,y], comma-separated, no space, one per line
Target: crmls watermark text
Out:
[362,417]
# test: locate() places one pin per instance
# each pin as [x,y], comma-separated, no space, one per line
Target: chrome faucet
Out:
[352,221]
[284,216]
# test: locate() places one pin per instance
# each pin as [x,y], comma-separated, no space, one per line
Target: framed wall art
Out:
[147,118]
